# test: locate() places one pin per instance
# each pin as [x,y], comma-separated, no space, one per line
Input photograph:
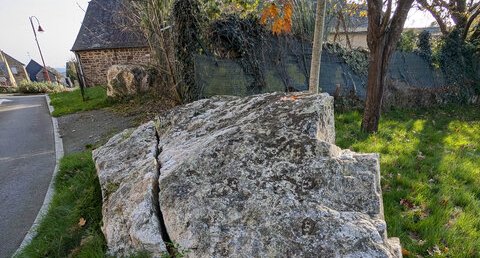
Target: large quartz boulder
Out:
[127,80]
[258,176]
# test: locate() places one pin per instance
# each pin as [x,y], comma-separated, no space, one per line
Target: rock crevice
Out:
[171,249]
[128,173]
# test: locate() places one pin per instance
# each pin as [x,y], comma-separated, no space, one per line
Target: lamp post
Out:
[45,71]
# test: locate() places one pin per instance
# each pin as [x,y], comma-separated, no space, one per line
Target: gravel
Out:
[91,128]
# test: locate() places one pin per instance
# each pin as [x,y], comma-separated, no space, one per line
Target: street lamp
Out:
[45,71]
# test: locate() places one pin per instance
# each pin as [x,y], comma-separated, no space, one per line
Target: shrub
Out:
[407,41]
[8,89]
[40,87]
[424,45]
[457,59]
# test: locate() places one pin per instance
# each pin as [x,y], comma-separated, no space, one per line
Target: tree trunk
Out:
[384,31]
[317,47]
[377,69]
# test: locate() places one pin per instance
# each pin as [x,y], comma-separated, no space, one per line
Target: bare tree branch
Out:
[469,22]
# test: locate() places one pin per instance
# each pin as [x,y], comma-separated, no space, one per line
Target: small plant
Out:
[175,250]
[40,87]
[356,59]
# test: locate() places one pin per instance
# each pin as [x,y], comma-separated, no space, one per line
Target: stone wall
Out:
[95,63]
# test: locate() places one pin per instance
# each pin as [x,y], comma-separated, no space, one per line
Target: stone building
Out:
[12,71]
[106,38]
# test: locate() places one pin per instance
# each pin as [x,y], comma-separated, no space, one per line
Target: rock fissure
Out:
[131,221]
[172,250]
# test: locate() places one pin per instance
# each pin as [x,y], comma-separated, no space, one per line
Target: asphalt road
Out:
[27,161]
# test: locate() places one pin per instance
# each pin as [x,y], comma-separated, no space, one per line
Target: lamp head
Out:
[40,29]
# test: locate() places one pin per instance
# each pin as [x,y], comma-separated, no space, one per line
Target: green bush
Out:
[407,41]
[458,60]
[8,89]
[424,45]
[40,87]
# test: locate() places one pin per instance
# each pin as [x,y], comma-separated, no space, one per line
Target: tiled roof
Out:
[105,27]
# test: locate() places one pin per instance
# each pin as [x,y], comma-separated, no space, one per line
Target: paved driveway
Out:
[27,160]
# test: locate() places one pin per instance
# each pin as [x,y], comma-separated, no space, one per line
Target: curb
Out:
[32,232]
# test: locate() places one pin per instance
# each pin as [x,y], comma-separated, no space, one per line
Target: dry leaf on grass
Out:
[82,222]
[405,252]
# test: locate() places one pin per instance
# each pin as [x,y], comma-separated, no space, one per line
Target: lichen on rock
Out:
[258,176]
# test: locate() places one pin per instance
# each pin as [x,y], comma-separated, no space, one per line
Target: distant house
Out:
[358,36]
[105,39]
[12,71]
[36,73]
[352,34]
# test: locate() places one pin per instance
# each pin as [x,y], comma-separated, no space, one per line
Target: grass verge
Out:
[430,165]
[71,102]
[71,227]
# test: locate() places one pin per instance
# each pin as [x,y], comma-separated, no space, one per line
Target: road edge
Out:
[32,232]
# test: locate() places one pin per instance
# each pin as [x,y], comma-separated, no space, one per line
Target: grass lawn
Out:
[144,106]
[430,165]
[71,102]
[71,227]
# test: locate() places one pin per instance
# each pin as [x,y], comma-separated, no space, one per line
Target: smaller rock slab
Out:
[128,172]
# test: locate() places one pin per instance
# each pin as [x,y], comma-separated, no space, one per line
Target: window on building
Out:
[14,70]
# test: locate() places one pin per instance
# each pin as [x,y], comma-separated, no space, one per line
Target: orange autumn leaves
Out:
[278,16]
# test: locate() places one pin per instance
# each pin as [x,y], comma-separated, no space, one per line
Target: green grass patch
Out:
[430,165]
[72,102]
[77,197]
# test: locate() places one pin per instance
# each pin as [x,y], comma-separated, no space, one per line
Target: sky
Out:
[61,20]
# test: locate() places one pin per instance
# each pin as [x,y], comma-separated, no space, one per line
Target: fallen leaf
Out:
[406,203]
[82,222]
[405,252]
[289,97]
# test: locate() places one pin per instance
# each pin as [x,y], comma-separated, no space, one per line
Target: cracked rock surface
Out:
[127,169]
[258,176]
